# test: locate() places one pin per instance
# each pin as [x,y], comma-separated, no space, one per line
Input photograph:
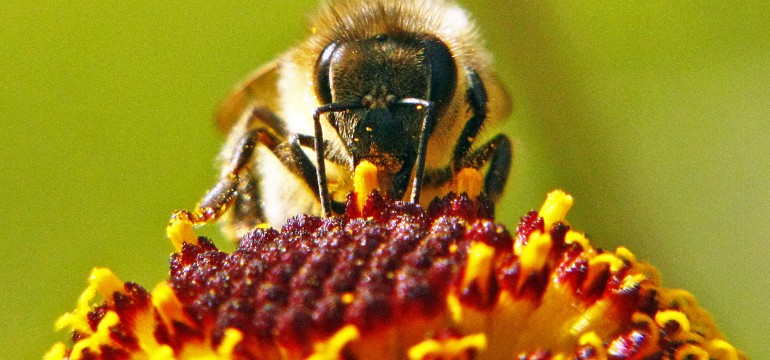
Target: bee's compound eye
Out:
[443,72]
[322,85]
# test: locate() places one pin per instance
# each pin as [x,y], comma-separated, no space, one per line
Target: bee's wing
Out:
[499,104]
[259,88]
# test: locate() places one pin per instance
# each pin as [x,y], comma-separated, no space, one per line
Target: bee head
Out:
[374,76]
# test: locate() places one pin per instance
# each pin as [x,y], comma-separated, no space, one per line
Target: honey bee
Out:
[405,85]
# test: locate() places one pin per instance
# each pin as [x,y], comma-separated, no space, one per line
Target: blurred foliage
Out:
[654,115]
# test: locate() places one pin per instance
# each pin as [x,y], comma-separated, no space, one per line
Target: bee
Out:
[405,85]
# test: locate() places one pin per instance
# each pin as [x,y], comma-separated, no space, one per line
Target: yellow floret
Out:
[449,349]
[231,339]
[168,306]
[100,337]
[535,253]
[480,266]
[331,349]
[101,281]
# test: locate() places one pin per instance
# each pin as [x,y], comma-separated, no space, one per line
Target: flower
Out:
[390,279]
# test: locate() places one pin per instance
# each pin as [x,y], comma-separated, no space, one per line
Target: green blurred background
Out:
[654,115]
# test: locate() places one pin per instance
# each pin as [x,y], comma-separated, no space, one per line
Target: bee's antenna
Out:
[425,131]
[323,190]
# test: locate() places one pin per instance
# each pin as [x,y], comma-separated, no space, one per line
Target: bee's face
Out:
[373,75]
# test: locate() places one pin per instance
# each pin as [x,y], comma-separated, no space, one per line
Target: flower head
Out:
[394,280]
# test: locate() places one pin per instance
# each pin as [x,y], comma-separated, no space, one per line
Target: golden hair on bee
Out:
[351,20]
[405,86]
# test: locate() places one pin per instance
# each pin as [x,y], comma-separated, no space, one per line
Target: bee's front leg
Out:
[307,170]
[238,187]
[497,151]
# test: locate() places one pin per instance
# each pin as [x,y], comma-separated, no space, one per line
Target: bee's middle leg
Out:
[498,153]
[216,202]
[246,210]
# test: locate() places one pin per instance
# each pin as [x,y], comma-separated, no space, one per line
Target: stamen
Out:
[625,254]
[102,336]
[364,182]
[535,252]
[169,307]
[691,352]
[347,298]
[663,317]
[101,281]
[106,283]
[231,339]
[449,348]
[576,237]
[594,341]
[724,348]
[479,266]
[332,348]
[455,308]
[555,208]
[590,318]
[469,181]
[609,259]
[180,231]
[56,352]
